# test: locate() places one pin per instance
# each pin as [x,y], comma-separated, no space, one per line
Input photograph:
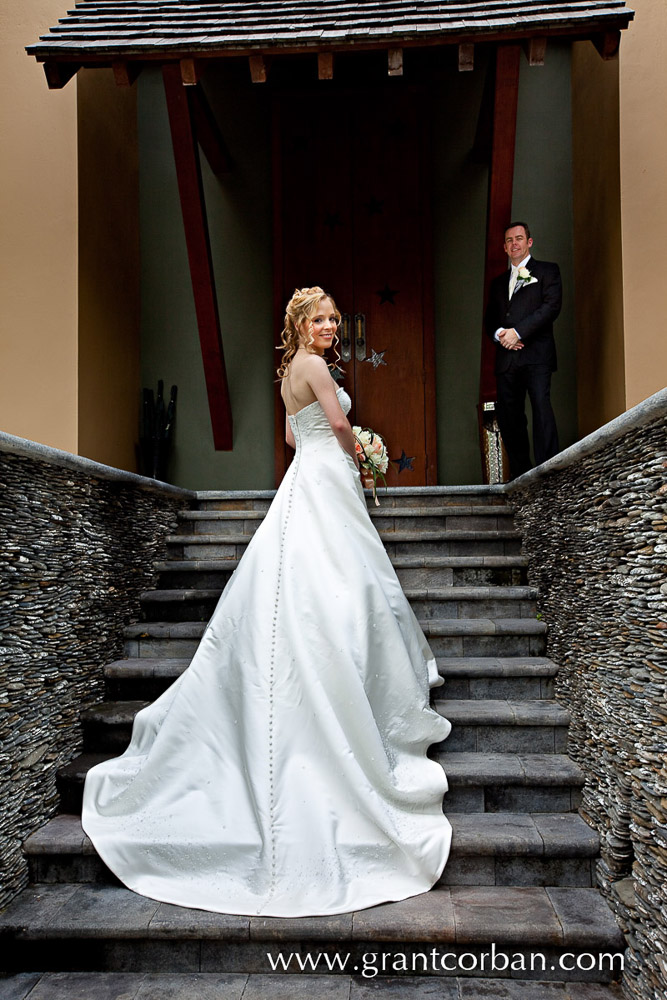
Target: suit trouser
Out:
[512,387]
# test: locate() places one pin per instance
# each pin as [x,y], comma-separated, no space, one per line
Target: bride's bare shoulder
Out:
[309,363]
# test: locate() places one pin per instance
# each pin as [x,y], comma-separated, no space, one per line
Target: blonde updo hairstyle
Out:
[300,309]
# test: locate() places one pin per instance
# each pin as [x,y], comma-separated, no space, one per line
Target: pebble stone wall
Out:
[596,533]
[76,550]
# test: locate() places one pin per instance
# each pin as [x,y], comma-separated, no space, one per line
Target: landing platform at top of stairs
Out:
[478,490]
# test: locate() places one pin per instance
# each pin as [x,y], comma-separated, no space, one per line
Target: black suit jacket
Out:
[531,312]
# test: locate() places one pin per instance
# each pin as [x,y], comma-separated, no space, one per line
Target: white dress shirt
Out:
[514,274]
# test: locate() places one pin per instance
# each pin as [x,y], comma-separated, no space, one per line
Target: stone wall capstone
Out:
[596,533]
[78,544]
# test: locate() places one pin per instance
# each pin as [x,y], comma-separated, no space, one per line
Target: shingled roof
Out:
[97,30]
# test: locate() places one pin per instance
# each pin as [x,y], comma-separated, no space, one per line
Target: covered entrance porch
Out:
[380,155]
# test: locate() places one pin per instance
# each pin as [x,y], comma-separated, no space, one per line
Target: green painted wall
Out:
[239,213]
[542,197]
[460,196]
[240,223]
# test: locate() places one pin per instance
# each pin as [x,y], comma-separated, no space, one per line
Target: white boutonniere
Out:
[524,277]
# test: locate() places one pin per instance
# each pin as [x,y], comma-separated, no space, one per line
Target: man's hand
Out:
[510,340]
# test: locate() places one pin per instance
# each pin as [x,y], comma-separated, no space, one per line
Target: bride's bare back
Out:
[296,390]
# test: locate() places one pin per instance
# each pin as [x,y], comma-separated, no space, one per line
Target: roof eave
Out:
[101,54]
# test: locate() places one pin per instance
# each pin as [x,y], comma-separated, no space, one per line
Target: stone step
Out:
[141,679]
[399,512]
[521,849]
[71,776]
[108,927]
[454,542]
[516,677]
[510,782]
[241,986]
[478,782]
[487,849]
[471,570]
[447,637]
[394,496]
[397,543]
[503,726]
[485,636]
[412,571]
[490,726]
[178,604]
[234,499]
[430,518]
[465,677]
[108,726]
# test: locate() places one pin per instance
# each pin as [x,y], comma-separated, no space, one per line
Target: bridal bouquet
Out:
[373,458]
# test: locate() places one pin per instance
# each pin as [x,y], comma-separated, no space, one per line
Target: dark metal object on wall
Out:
[156,427]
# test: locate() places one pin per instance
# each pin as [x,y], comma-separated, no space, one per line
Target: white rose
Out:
[524,273]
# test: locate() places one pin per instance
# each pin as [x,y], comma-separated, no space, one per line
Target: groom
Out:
[523,304]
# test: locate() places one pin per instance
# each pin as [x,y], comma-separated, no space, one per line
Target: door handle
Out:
[360,336]
[345,340]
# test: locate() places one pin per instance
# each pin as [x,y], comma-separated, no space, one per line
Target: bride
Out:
[284,772]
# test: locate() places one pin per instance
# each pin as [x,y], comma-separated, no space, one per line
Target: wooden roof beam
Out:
[501,182]
[209,136]
[395,62]
[190,72]
[535,50]
[466,57]
[193,207]
[257,68]
[483,144]
[125,73]
[325,65]
[607,44]
[59,73]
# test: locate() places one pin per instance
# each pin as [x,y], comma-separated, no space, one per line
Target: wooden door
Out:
[352,216]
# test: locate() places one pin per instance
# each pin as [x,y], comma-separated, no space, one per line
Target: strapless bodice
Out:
[310,422]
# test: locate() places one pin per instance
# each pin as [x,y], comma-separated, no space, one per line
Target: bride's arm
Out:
[324,387]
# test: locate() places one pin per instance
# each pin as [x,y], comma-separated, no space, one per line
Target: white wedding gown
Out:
[285,772]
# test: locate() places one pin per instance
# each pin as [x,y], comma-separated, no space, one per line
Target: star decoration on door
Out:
[375,206]
[332,219]
[377,358]
[337,374]
[387,294]
[405,462]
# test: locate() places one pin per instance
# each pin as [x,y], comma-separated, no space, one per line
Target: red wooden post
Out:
[499,209]
[210,139]
[191,190]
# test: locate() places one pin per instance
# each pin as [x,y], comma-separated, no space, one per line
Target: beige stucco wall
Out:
[38,250]
[109,270]
[598,265]
[643,114]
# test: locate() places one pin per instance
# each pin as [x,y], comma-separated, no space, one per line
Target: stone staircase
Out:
[521,870]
